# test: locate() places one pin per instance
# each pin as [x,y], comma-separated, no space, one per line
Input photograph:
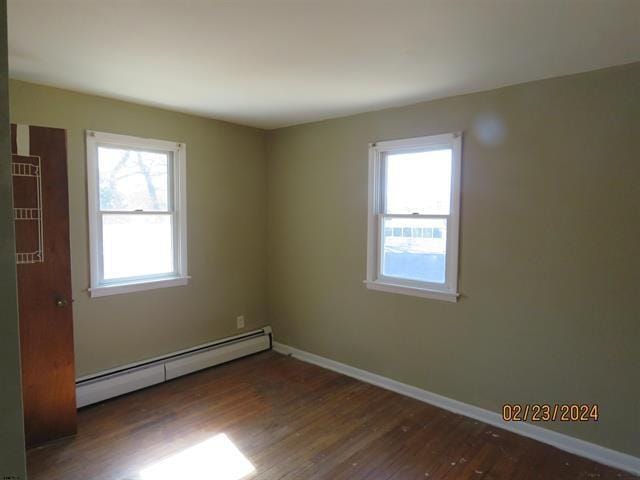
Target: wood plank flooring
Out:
[292,421]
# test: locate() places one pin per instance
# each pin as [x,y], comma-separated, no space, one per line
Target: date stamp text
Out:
[564,412]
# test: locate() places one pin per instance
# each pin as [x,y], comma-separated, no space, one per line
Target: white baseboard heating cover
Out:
[118,381]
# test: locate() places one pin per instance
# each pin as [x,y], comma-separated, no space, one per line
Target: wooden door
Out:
[41,212]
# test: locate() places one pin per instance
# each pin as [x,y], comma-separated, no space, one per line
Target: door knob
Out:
[61,302]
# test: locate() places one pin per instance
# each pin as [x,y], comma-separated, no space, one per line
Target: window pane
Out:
[136,245]
[418,182]
[133,180]
[415,258]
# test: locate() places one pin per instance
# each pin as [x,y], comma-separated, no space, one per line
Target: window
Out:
[414,189]
[137,213]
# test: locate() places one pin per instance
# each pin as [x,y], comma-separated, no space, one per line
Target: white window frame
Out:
[375,280]
[178,210]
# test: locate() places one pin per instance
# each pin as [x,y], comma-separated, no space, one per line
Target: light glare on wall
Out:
[214,459]
[490,129]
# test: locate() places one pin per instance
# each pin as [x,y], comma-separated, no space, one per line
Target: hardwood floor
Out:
[293,420]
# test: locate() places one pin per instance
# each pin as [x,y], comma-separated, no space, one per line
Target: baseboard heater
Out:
[118,381]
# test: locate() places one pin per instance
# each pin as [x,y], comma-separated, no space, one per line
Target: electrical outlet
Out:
[240,321]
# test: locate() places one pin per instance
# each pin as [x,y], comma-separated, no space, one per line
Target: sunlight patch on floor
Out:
[214,459]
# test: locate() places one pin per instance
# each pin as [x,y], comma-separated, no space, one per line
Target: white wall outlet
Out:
[240,321]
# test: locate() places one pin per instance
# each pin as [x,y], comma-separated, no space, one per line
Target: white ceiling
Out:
[271,63]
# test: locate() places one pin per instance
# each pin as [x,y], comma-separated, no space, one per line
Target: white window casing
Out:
[377,214]
[176,210]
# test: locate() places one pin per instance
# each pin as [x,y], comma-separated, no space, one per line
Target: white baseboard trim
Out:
[569,444]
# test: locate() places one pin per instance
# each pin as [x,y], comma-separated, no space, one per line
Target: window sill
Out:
[413,291]
[117,288]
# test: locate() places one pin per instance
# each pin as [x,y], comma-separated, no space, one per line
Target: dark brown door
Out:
[41,211]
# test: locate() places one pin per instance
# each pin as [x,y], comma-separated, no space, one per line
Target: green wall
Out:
[226,189]
[549,263]
[12,460]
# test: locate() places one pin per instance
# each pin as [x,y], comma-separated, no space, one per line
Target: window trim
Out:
[178,209]
[375,280]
